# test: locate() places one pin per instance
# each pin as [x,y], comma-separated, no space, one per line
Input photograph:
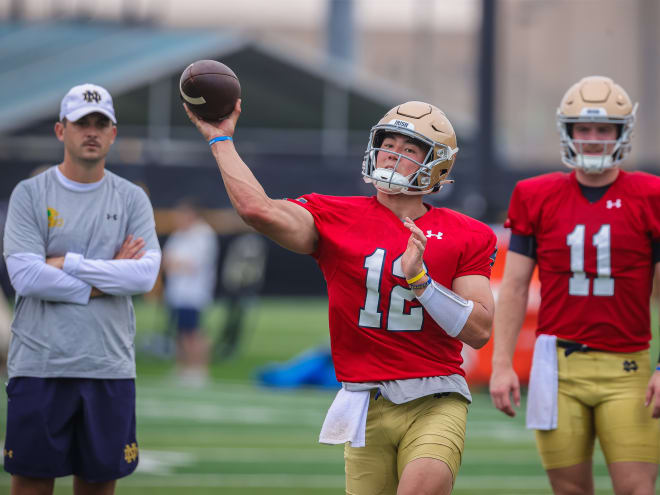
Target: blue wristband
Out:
[421,286]
[657,368]
[220,138]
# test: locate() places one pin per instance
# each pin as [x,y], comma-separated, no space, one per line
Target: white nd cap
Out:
[84,99]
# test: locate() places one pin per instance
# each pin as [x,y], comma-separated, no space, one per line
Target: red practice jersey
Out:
[378,329]
[594,259]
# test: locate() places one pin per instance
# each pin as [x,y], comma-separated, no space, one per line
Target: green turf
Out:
[234,437]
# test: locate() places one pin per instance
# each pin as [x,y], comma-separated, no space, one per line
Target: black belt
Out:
[571,347]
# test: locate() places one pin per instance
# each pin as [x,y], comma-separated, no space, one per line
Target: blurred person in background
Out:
[79,242]
[5,331]
[190,257]
[5,310]
[595,235]
[5,292]
[243,272]
[396,333]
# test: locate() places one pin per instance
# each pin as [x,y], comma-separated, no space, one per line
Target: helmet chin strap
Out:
[594,164]
[390,181]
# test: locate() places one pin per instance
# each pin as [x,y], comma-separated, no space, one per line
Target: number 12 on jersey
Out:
[397,319]
[578,284]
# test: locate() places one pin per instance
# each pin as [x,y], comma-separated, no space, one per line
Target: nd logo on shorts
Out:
[131,452]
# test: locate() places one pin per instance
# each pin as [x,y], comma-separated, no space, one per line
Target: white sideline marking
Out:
[262,480]
[323,454]
[161,461]
[209,413]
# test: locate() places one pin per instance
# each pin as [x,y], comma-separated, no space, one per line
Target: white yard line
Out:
[223,414]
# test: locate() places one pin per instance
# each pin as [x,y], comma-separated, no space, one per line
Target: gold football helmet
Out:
[426,124]
[595,99]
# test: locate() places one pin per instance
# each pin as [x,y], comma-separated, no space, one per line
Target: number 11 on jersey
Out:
[578,284]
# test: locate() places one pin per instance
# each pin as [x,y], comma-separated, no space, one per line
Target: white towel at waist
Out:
[346,420]
[543,383]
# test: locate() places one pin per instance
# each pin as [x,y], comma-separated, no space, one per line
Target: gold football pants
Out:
[431,426]
[601,394]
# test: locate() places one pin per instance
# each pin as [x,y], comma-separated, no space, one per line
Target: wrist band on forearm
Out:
[420,286]
[416,277]
[220,138]
[448,309]
[657,368]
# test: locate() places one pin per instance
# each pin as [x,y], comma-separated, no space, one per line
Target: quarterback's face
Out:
[89,138]
[398,143]
[585,132]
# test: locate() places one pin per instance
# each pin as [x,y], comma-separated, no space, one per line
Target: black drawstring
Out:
[571,347]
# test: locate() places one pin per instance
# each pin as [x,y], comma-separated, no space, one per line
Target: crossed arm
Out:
[131,271]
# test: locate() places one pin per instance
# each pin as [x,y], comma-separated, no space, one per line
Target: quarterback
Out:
[408,284]
[595,235]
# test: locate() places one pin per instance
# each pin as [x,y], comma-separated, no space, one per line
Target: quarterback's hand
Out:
[412,259]
[653,395]
[209,129]
[504,384]
[131,249]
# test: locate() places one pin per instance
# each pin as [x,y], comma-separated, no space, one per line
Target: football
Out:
[210,89]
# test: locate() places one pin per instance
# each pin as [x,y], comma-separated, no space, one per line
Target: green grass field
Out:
[234,437]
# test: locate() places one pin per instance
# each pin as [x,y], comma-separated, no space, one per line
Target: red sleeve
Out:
[307,202]
[479,255]
[310,203]
[518,219]
[654,209]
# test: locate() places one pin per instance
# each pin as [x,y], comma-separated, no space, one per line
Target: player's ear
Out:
[59,130]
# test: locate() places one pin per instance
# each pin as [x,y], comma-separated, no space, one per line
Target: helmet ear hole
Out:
[438,186]
[569,130]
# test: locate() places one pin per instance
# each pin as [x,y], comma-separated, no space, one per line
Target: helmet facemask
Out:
[573,154]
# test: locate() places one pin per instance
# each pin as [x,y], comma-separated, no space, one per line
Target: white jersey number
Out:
[397,320]
[578,284]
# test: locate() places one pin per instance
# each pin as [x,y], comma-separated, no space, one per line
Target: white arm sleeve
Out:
[32,277]
[448,309]
[116,277]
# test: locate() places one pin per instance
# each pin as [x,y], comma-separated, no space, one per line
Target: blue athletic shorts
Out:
[62,426]
[187,319]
